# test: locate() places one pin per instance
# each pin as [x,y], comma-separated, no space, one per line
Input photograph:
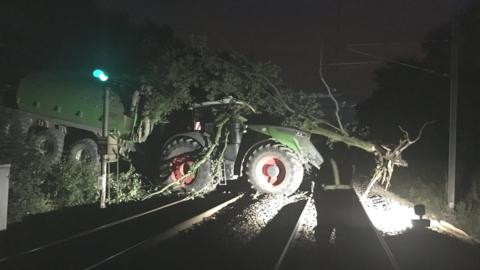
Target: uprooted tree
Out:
[193,73]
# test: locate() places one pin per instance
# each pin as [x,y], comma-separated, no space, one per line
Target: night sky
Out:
[290,33]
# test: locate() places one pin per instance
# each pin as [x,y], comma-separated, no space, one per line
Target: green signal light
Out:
[100,74]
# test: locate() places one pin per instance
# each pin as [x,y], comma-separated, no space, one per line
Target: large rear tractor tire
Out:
[274,168]
[49,143]
[177,157]
[85,151]
[15,126]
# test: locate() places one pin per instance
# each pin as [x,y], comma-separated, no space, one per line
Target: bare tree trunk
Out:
[387,158]
[348,140]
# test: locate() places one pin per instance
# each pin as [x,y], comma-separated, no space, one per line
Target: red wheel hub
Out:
[180,165]
[272,170]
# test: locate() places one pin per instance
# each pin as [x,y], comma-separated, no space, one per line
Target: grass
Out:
[420,190]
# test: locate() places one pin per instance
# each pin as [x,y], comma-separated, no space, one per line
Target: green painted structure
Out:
[74,97]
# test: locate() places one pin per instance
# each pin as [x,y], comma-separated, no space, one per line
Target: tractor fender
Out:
[295,139]
[201,138]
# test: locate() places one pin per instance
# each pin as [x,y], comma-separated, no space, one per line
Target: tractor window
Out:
[205,117]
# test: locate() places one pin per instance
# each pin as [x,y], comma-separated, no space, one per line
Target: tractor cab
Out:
[273,164]
[205,113]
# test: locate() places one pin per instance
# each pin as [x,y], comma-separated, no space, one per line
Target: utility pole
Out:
[452,145]
[103,176]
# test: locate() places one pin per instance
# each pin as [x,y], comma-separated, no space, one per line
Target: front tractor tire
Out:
[49,143]
[274,168]
[84,151]
[177,157]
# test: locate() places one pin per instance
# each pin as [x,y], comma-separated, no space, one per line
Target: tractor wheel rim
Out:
[271,170]
[44,147]
[83,156]
[180,165]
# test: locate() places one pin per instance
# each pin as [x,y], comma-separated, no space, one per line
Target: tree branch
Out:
[387,161]
[330,94]
[407,137]
[278,95]
[348,140]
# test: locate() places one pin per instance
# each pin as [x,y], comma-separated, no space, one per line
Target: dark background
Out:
[290,33]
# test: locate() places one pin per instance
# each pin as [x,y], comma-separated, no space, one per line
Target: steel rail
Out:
[386,248]
[292,237]
[383,243]
[169,233]
[388,252]
[94,230]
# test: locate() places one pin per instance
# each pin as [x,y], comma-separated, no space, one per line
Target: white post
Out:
[4,183]
[103,195]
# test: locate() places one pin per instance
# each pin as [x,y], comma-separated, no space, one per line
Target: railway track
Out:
[225,231]
[83,249]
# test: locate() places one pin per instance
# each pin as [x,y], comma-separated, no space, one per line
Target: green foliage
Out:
[70,184]
[128,187]
[26,177]
[181,75]
[308,111]
[36,187]
[25,190]
[167,85]
[25,193]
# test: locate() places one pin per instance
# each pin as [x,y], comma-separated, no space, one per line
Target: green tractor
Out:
[273,159]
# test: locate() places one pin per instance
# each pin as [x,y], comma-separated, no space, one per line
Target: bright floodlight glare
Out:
[100,74]
[390,217]
[387,213]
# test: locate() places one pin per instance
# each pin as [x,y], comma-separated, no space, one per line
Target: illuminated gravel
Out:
[253,219]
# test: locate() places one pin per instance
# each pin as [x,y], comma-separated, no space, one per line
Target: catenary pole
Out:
[452,145]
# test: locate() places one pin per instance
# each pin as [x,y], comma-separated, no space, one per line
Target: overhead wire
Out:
[427,70]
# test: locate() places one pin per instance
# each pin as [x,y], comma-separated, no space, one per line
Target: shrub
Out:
[468,218]
[128,187]
[36,187]
[70,184]
[25,195]
[25,189]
